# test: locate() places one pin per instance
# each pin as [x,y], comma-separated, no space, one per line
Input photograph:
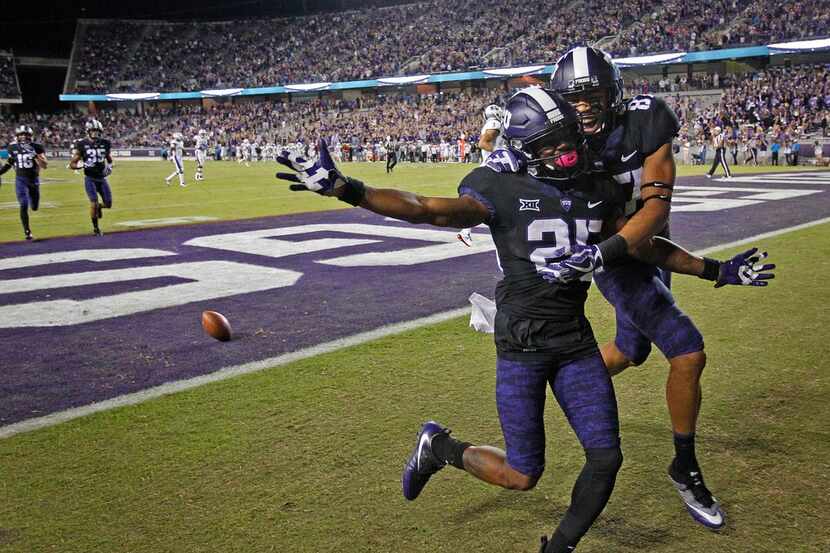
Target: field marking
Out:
[227,373]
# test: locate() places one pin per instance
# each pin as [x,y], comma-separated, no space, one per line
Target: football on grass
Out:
[216,325]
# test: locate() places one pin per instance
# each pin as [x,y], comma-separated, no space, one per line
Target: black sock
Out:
[95,224]
[590,494]
[560,544]
[24,218]
[449,449]
[684,448]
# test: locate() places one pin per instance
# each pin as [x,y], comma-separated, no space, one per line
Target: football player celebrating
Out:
[633,139]
[176,152]
[27,158]
[542,336]
[93,154]
[201,153]
[490,139]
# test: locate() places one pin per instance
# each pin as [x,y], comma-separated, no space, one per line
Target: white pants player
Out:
[200,164]
[177,163]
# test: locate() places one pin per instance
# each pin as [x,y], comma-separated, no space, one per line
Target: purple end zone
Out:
[47,369]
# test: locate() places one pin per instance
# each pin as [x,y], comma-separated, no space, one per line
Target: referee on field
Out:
[718,142]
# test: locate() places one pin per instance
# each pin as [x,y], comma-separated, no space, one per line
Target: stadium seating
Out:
[410,39]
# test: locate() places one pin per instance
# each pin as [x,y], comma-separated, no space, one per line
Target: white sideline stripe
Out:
[168,388]
[224,374]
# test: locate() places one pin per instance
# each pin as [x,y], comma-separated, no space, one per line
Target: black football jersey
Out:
[643,128]
[530,218]
[94,152]
[22,157]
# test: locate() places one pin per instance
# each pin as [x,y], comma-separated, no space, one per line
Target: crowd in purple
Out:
[788,104]
[776,106]
[414,38]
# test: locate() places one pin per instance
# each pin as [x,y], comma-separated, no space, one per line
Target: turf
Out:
[307,457]
[231,191]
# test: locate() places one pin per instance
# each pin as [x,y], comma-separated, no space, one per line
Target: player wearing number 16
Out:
[27,158]
[541,333]
[93,154]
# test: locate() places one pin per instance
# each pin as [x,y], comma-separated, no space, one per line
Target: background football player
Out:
[27,158]
[542,336]
[93,154]
[201,153]
[489,139]
[175,154]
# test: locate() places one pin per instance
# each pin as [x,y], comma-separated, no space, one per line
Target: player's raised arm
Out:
[323,177]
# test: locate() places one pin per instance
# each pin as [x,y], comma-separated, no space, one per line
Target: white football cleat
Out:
[466,237]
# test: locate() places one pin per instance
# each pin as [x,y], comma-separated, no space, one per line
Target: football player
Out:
[542,336]
[93,155]
[27,158]
[490,139]
[633,140]
[201,153]
[175,154]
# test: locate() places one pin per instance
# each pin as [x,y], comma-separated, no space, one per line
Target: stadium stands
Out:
[407,39]
[9,87]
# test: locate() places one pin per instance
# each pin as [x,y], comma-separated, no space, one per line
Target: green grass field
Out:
[307,457]
[231,191]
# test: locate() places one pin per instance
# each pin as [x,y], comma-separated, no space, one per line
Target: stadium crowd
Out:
[8,78]
[778,103]
[411,38]
[777,106]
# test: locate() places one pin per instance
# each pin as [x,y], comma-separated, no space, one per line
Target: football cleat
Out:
[97,232]
[421,463]
[28,235]
[465,237]
[702,506]
[167,182]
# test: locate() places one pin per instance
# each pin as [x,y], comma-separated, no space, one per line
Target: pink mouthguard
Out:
[567,160]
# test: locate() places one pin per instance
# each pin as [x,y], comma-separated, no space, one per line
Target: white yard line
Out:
[328,347]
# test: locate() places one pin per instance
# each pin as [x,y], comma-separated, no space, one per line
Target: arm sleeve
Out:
[479,184]
[657,125]
[39,148]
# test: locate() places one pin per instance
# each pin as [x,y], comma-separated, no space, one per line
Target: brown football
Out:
[216,325]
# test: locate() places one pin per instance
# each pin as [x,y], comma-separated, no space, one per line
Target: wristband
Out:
[612,248]
[354,191]
[711,269]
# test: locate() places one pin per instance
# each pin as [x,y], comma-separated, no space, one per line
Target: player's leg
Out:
[520,397]
[94,207]
[715,163]
[179,170]
[22,191]
[584,391]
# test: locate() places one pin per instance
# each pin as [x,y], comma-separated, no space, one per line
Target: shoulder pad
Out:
[505,160]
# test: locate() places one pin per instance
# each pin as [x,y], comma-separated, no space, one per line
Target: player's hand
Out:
[745,269]
[108,170]
[320,176]
[505,160]
[583,260]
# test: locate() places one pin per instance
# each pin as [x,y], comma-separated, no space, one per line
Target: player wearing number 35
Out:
[550,219]
[93,154]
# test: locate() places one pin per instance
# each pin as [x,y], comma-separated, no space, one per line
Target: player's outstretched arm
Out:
[323,177]
[745,269]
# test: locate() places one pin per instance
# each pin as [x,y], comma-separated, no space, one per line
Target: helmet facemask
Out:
[592,106]
[560,153]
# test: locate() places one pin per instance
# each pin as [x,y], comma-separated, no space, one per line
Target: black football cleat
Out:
[702,506]
[422,463]
[28,234]
[97,232]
